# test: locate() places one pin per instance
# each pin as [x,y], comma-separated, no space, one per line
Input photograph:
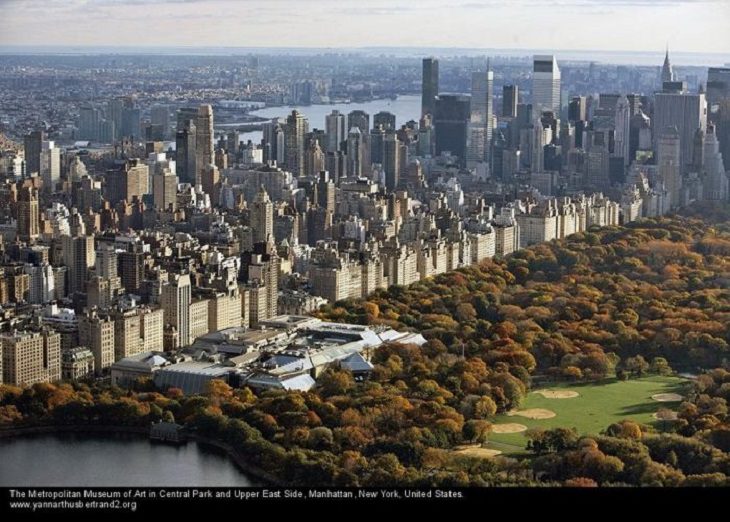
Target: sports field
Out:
[596,406]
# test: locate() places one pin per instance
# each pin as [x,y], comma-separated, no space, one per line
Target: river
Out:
[405,108]
[118,461]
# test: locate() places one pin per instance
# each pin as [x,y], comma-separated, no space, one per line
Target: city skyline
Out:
[686,25]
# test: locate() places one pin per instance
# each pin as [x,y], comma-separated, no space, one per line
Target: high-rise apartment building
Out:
[355,150]
[28,214]
[262,217]
[295,132]
[151,328]
[335,127]
[391,161]
[204,139]
[164,190]
[30,357]
[96,332]
[127,334]
[716,179]
[622,129]
[78,256]
[41,283]
[669,162]
[131,268]
[176,298]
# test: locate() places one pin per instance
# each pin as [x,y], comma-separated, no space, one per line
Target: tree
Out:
[335,381]
[660,365]
[636,366]
[572,373]
[320,438]
[218,389]
[625,429]
[477,431]
[542,441]
[484,407]
[580,482]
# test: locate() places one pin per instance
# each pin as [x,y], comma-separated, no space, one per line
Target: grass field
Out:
[597,406]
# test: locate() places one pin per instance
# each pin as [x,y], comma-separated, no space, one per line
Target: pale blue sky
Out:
[636,25]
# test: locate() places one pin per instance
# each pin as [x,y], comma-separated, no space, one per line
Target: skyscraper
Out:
[129,179]
[314,158]
[89,118]
[480,124]
[131,121]
[41,288]
[160,115]
[359,119]
[78,256]
[622,129]
[335,126]
[204,139]
[385,119]
[429,85]
[295,132]
[718,87]
[274,141]
[186,164]
[668,162]
[716,180]
[33,144]
[391,161]
[176,296]
[209,179]
[106,261]
[114,115]
[164,189]
[354,153]
[131,268]
[545,84]
[262,217]
[667,71]
[451,119]
[28,217]
[510,95]
[577,109]
[685,111]
[50,166]
[377,137]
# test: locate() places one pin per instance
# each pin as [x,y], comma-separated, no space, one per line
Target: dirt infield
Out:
[667,415]
[533,413]
[476,451]
[667,397]
[508,427]
[558,394]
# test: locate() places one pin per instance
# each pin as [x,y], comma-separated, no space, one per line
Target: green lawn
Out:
[598,405]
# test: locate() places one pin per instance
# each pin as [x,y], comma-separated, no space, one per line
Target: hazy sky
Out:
[637,25]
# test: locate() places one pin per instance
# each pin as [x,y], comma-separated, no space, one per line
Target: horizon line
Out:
[351,48]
